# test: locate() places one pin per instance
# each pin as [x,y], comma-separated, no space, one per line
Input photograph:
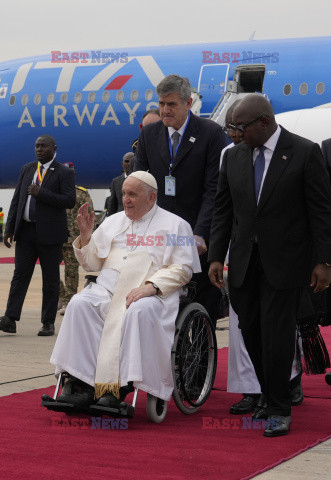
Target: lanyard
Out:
[181,138]
[40,178]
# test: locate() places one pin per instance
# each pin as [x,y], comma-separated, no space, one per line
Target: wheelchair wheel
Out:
[156,409]
[193,358]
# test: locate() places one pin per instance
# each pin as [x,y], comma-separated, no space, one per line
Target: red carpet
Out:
[36,443]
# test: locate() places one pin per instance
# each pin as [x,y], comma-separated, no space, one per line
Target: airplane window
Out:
[320,88]
[303,89]
[287,89]
[105,96]
[78,97]
[64,98]
[91,97]
[50,98]
[37,99]
[148,95]
[12,100]
[120,96]
[134,95]
[25,99]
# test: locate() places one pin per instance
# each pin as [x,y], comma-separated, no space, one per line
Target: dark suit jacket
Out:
[195,168]
[115,202]
[293,214]
[326,150]
[57,193]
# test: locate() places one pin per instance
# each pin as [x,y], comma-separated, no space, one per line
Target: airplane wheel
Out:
[156,409]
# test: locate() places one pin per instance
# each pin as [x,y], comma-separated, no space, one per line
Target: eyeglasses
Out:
[243,127]
[228,129]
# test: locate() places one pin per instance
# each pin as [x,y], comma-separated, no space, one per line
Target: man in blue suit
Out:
[37,222]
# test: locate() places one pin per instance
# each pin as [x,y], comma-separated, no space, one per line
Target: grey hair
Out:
[149,189]
[175,84]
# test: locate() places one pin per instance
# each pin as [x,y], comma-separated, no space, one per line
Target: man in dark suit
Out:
[274,204]
[326,150]
[115,203]
[182,151]
[37,221]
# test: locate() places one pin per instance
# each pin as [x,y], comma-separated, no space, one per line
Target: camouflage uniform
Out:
[71,275]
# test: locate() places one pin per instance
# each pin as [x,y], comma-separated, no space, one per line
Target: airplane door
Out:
[212,85]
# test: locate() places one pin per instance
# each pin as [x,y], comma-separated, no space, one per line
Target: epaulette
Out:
[134,145]
[81,188]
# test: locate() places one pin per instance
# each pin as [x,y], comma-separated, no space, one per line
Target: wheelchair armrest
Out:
[89,279]
[191,290]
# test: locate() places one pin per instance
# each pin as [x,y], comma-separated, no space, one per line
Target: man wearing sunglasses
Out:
[274,204]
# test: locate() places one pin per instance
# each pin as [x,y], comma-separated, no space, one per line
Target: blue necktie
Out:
[258,171]
[32,206]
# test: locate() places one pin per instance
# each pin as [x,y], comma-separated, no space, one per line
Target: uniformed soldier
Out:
[69,287]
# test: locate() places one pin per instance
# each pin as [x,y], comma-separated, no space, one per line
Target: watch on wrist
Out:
[156,288]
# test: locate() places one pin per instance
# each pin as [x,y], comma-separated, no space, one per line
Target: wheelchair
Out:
[193,363]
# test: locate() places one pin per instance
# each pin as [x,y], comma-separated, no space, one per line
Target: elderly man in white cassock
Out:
[121,329]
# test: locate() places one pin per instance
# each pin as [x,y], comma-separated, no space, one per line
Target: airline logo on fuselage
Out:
[66,72]
[105,79]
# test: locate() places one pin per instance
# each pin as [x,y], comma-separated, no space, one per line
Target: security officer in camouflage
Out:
[71,269]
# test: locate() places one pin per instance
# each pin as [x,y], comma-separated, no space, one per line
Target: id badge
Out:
[170,186]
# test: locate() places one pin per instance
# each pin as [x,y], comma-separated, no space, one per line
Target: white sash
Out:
[133,268]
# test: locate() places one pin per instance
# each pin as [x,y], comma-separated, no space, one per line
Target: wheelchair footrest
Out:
[68,408]
[125,410]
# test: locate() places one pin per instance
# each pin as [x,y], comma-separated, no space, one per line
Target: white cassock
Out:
[163,245]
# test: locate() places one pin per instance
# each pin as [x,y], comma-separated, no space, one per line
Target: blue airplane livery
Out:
[92,102]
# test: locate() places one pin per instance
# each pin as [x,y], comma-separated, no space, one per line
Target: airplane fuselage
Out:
[92,102]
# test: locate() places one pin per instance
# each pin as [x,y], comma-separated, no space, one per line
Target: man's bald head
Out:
[255,104]
[255,119]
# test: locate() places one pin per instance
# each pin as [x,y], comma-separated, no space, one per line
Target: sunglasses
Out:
[242,128]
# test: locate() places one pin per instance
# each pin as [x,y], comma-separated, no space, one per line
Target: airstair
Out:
[246,79]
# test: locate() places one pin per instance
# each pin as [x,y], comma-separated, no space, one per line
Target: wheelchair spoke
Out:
[194,359]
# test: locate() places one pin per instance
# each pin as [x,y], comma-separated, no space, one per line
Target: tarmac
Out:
[24,365]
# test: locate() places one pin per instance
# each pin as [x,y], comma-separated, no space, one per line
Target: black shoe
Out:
[76,392]
[296,395]
[246,405]
[328,378]
[110,401]
[277,425]
[260,411]
[46,330]
[7,324]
